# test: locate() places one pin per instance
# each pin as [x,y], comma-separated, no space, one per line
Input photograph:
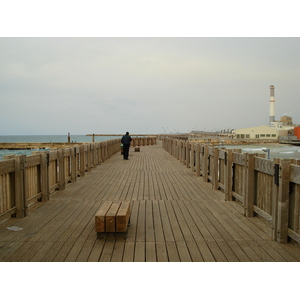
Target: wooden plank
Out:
[295,174]
[7,166]
[161,252]
[216,251]
[173,255]
[100,220]
[122,217]
[107,250]
[96,251]
[283,201]
[117,255]
[227,251]
[249,185]
[129,251]
[264,165]
[110,218]
[178,218]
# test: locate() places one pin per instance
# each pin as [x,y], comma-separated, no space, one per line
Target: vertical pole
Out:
[188,154]
[283,201]
[250,185]
[73,164]
[184,152]
[82,161]
[297,200]
[45,176]
[61,162]
[228,175]
[205,164]
[19,186]
[215,175]
[89,157]
[193,156]
[198,159]
[275,193]
[99,153]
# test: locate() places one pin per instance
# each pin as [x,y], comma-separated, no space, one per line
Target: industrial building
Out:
[261,132]
[276,130]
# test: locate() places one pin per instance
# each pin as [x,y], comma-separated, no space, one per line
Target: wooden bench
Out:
[112,217]
[137,149]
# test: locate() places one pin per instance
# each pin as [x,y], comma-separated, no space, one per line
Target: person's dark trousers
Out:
[126,150]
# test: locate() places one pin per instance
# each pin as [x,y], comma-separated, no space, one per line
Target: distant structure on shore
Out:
[283,130]
[272,105]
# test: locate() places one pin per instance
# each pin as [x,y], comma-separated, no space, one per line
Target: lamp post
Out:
[266,150]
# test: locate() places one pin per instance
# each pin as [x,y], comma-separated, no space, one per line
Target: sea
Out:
[45,139]
[270,150]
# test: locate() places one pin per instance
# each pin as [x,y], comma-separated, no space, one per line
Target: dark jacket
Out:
[126,139]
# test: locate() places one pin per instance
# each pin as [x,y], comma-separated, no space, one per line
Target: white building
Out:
[261,132]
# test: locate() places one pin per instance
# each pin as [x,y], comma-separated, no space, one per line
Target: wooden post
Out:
[215,174]
[73,164]
[205,164]
[188,154]
[184,152]
[45,175]
[297,196]
[198,148]
[275,193]
[19,186]
[61,162]
[82,160]
[105,151]
[250,185]
[89,157]
[283,201]
[93,155]
[193,156]
[228,175]
[100,153]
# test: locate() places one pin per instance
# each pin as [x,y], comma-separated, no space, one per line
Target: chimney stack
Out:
[272,105]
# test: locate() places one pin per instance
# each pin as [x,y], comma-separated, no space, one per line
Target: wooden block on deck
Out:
[137,149]
[113,216]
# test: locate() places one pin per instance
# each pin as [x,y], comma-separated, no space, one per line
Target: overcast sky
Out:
[145,85]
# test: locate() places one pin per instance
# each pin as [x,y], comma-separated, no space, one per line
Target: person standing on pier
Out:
[126,139]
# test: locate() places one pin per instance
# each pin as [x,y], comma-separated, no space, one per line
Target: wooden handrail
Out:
[262,187]
[26,180]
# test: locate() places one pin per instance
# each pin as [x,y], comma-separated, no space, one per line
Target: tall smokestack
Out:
[272,105]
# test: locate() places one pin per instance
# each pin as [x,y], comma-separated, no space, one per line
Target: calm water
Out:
[45,139]
[276,150]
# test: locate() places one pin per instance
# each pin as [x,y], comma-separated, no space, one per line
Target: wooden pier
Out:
[175,216]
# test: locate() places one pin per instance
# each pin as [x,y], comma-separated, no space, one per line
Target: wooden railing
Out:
[27,180]
[263,188]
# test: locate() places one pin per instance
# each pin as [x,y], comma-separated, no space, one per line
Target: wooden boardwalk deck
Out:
[175,217]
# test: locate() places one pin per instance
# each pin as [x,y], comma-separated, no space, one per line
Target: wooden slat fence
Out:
[27,180]
[267,189]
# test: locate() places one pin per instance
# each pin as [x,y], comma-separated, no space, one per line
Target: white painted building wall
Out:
[261,132]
